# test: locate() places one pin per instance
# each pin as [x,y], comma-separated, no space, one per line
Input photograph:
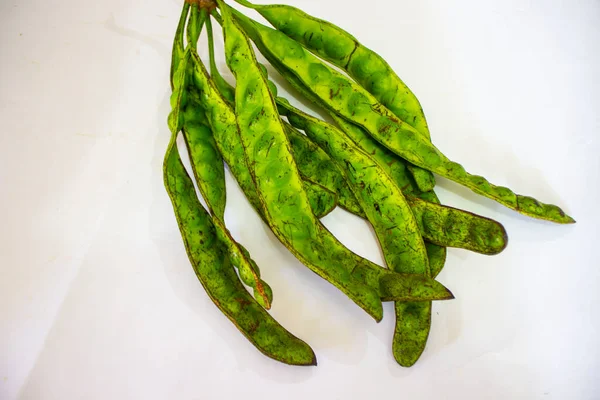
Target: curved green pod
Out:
[271,164]
[380,198]
[209,172]
[216,274]
[305,247]
[326,256]
[355,104]
[364,65]
[321,199]
[212,266]
[339,47]
[437,255]
[451,227]
[392,219]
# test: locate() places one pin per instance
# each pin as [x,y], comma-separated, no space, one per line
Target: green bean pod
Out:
[270,161]
[364,270]
[339,47]
[392,219]
[355,104]
[321,199]
[209,172]
[451,227]
[380,198]
[439,225]
[364,65]
[306,249]
[437,256]
[355,276]
[211,264]
[207,166]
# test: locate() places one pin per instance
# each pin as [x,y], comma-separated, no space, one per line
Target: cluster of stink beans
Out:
[376,162]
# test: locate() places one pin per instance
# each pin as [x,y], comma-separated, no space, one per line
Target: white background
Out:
[98,299]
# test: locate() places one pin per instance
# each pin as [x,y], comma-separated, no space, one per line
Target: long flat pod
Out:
[213,268]
[437,255]
[355,104]
[442,225]
[306,249]
[271,163]
[339,47]
[208,169]
[215,272]
[383,202]
[209,172]
[270,159]
[439,225]
[366,66]
[392,219]
[327,257]
[322,200]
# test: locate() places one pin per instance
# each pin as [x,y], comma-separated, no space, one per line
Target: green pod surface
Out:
[271,163]
[355,104]
[392,219]
[209,171]
[326,257]
[214,270]
[322,200]
[380,198]
[437,256]
[303,245]
[314,164]
[211,264]
[368,68]
[342,49]
[451,227]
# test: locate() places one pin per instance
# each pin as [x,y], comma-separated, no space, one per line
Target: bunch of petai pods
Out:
[377,162]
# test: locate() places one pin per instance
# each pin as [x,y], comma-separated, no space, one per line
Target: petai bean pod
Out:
[326,256]
[210,261]
[392,219]
[348,99]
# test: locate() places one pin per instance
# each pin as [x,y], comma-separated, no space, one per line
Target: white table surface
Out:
[98,299]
